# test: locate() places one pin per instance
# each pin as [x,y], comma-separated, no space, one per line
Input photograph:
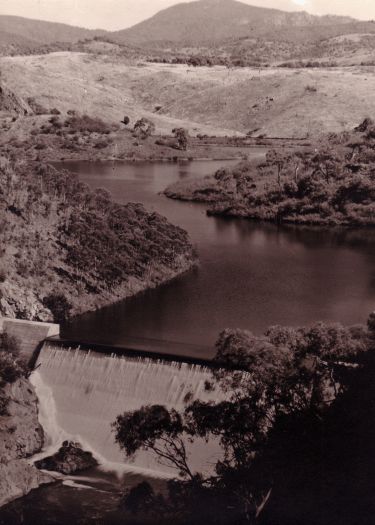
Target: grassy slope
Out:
[207,100]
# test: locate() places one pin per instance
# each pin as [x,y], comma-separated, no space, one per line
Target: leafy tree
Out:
[285,378]
[182,138]
[59,306]
[143,128]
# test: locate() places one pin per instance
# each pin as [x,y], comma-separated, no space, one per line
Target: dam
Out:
[82,391]
[82,387]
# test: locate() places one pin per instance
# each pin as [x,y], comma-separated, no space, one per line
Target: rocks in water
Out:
[68,460]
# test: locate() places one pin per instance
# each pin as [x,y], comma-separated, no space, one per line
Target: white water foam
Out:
[81,393]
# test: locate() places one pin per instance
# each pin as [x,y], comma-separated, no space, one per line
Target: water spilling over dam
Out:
[82,392]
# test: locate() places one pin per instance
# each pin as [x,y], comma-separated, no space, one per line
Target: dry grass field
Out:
[277,102]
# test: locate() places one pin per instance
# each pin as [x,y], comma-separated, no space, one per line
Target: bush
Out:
[59,306]
[84,123]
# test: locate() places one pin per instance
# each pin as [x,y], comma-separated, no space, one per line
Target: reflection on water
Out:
[250,275]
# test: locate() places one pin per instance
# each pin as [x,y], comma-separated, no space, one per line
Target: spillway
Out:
[82,392]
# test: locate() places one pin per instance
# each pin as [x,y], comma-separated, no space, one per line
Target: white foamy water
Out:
[81,393]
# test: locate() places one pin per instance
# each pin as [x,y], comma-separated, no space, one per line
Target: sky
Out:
[119,14]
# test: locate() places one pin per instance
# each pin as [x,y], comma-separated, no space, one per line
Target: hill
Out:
[17,33]
[215,20]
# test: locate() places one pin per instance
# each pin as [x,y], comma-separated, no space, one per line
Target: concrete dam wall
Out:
[82,392]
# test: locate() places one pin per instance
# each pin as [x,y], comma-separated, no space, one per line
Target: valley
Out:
[192,200]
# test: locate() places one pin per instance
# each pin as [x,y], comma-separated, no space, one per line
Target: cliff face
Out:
[21,436]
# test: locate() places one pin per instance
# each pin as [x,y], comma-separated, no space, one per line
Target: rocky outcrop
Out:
[20,303]
[69,459]
[11,103]
[21,436]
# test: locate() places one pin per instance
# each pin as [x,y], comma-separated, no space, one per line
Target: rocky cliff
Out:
[21,436]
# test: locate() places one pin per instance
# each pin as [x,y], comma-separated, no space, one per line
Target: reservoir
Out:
[250,275]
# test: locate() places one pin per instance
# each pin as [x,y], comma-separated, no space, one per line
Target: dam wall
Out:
[81,392]
[29,334]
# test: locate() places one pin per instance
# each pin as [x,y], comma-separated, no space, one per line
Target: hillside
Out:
[18,34]
[215,20]
[216,101]
[67,250]
[225,31]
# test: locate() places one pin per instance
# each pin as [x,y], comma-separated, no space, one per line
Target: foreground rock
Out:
[21,436]
[69,459]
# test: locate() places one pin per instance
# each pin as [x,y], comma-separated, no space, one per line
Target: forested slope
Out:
[332,182]
[66,249]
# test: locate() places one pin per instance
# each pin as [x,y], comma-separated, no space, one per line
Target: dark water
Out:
[94,500]
[250,275]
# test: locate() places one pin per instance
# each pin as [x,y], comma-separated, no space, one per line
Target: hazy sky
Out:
[118,14]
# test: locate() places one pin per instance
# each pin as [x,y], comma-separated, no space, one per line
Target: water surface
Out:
[250,275]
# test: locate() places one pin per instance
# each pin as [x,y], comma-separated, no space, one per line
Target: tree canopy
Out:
[286,380]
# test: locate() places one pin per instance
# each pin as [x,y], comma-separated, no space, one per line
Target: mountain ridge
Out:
[190,24]
[41,32]
[215,20]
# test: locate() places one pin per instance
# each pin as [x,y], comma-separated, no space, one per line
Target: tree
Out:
[59,306]
[157,429]
[143,128]
[279,161]
[182,138]
[285,378]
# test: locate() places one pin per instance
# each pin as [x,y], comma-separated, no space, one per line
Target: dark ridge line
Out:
[121,351]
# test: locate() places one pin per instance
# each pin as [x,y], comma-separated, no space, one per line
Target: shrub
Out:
[59,306]
[84,123]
